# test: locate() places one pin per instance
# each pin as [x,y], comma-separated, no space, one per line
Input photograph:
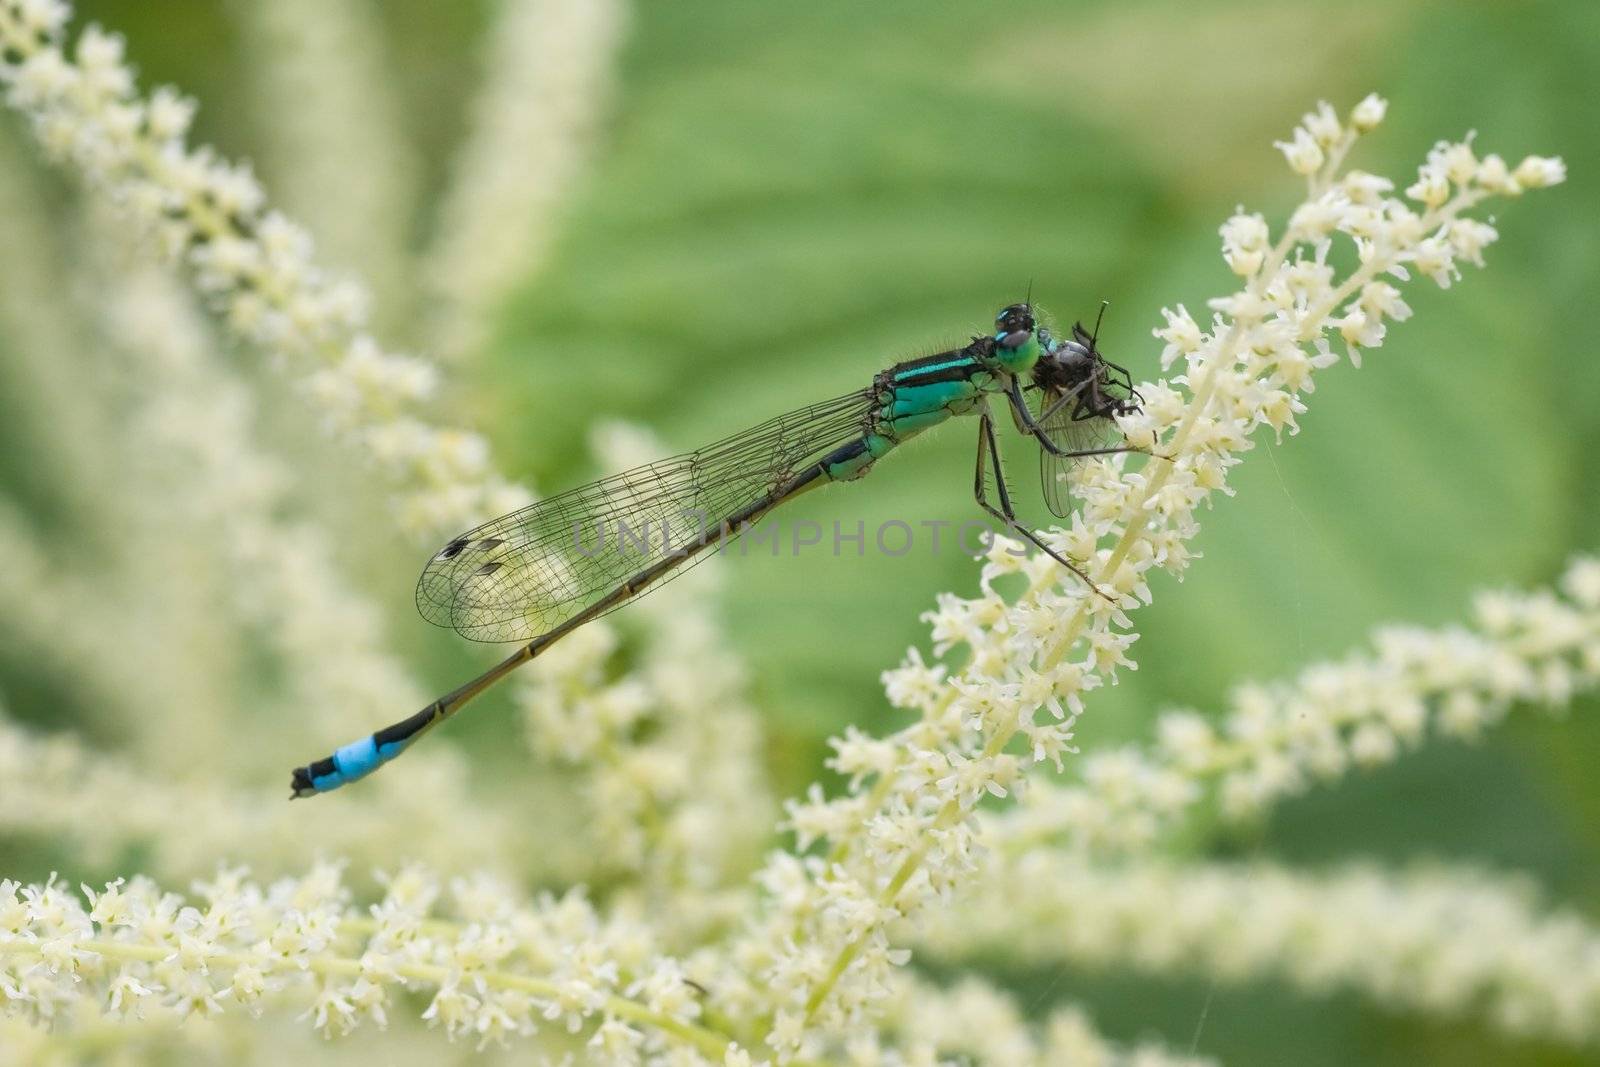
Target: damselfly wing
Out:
[522,574]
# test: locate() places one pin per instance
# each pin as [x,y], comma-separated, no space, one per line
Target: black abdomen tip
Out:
[300,783]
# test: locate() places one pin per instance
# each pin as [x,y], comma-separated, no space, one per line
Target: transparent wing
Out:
[1070,435]
[524,573]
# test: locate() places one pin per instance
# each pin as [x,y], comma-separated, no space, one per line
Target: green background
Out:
[788,197]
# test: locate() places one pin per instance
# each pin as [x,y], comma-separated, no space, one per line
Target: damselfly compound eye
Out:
[1018,318]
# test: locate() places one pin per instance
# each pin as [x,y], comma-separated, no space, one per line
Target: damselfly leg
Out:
[989,458]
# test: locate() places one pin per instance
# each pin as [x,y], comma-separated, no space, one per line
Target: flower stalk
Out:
[1038,654]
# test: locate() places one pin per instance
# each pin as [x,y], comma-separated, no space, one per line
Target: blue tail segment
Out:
[355,760]
[360,758]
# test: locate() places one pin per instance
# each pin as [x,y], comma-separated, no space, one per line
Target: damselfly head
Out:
[1014,324]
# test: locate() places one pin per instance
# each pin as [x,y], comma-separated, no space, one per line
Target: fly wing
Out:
[1071,435]
[522,574]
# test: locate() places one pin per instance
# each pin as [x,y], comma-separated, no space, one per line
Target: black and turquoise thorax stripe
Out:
[922,393]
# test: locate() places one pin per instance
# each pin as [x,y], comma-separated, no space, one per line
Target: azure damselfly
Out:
[527,577]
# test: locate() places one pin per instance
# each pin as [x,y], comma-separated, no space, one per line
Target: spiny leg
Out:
[989,447]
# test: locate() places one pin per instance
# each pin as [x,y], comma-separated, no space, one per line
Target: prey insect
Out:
[528,577]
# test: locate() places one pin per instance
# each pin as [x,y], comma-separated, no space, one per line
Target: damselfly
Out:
[528,577]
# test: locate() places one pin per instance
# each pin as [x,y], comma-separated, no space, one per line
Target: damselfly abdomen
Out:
[529,576]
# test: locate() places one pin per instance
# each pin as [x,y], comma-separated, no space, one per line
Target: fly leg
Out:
[1062,401]
[1030,426]
[989,454]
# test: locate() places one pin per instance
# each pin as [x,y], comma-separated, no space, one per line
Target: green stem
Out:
[947,817]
